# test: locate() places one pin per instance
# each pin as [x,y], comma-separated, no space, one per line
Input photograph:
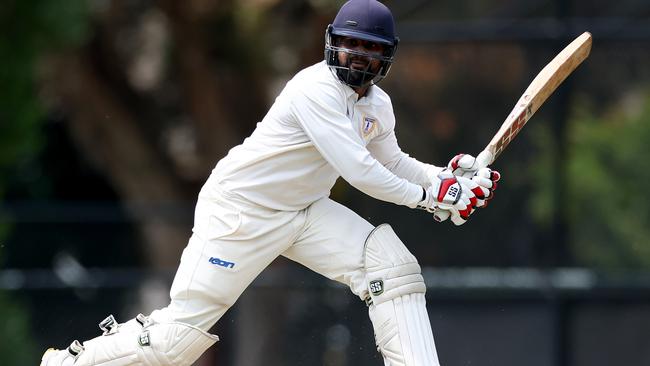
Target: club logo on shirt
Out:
[369,124]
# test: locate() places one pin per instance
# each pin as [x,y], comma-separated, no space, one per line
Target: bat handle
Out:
[484,159]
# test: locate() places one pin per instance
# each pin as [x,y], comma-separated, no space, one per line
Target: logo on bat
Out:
[516,126]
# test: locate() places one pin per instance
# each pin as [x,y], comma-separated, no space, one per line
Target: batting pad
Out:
[397,306]
[391,270]
[403,331]
[138,342]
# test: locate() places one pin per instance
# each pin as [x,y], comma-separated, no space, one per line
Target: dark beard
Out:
[355,77]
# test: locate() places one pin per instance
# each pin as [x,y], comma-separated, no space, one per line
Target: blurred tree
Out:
[16,344]
[608,175]
[27,28]
[163,89]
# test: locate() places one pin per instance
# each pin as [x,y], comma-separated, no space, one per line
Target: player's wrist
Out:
[432,171]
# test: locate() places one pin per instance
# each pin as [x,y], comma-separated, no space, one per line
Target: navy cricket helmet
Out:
[366,20]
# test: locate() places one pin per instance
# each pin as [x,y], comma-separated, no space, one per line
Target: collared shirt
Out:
[316,131]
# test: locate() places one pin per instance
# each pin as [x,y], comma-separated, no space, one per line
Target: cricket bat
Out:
[544,84]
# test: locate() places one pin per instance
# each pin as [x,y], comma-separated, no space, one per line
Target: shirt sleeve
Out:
[322,117]
[386,150]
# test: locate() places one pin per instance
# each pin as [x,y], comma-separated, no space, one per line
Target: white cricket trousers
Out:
[234,240]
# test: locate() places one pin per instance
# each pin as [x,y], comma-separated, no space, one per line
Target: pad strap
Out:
[142,341]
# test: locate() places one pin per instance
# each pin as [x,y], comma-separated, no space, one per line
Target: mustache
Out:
[360,61]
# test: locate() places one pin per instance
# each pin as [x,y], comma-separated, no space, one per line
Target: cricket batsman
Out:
[270,196]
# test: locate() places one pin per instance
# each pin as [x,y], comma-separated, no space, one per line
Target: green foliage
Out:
[16,344]
[28,29]
[541,203]
[606,175]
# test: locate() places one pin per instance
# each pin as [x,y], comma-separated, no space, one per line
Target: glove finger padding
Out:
[441,215]
[465,206]
[458,220]
[486,179]
[457,216]
[463,165]
[474,191]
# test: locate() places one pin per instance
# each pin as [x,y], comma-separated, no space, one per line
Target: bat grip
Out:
[484,159]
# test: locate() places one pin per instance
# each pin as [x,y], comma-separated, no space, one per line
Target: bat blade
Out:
[542,86]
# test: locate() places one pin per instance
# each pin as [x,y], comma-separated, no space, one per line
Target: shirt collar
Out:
[369,98]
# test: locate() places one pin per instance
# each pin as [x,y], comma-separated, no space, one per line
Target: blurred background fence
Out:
[112,114]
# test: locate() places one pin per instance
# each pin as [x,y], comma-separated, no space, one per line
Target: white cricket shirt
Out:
[316,131]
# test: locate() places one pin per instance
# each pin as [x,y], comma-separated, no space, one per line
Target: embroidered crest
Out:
[369,124]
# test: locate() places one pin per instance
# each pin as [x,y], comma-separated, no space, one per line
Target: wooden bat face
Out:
[544,84]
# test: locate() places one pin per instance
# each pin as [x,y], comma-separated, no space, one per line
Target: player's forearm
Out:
[413,170]
[364,172]
[390,189]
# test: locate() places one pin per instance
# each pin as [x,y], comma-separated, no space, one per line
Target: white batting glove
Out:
[463,165]
[482,184]
[486,179]
[466,166]
[449,197]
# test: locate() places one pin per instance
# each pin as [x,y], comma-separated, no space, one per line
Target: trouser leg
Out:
[331,244]
[231,245]
[380,270]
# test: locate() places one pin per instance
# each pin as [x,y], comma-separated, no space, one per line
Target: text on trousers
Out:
[221,263]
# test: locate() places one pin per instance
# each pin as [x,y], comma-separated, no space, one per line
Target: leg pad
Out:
[138,342]
[397,307]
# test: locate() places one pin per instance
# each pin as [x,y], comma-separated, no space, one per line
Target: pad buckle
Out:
[368,300]
[143,320]
[108,325]
[75,348]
